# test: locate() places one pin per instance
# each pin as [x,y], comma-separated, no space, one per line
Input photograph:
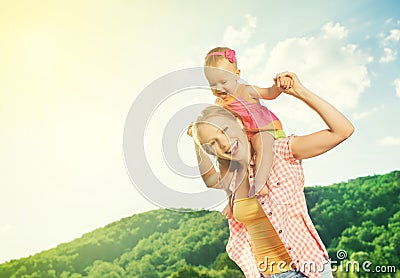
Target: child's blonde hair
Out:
[213,60]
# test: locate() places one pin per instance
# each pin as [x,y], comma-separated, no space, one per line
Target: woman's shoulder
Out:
[283,148]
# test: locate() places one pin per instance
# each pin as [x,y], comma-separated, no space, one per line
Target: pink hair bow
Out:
[229,54]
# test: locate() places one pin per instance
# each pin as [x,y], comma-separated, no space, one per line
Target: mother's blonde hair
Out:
[206,114]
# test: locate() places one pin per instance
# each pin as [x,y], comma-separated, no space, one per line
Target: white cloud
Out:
[361,115]
[389,56]
[394,35]
[390,141]
[397,86]
[232,37]
[335,31]
[388,21]
[326,64]
[251,61]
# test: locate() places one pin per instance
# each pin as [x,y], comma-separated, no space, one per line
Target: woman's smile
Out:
[216,141]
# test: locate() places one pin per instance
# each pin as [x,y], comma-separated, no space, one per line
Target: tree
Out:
[101,269]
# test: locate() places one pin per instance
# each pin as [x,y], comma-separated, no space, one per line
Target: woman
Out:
[271,233]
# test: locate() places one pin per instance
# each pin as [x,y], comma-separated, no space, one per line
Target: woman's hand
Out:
[283,82]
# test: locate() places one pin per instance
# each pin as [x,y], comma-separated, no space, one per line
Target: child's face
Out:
[223,78]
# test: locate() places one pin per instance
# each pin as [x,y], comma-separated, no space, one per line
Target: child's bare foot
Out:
[227,211]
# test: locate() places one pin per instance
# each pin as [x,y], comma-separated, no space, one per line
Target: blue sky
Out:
[70,71]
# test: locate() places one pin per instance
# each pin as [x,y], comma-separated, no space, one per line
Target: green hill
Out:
[361,216]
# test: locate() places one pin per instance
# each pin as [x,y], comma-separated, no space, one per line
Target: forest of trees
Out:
[360,217]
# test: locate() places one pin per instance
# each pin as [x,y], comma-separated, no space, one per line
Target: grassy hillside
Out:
[361,216]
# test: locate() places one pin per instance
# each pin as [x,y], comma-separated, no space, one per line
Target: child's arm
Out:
[262,143]
[270,92]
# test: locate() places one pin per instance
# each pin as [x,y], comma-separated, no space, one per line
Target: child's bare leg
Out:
[262,143]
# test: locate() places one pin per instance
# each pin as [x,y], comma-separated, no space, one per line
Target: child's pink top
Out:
[255,117]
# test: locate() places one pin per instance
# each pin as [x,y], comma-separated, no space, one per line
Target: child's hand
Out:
[283,82]
[295,86]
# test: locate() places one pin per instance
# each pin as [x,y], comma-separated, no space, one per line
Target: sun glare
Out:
[39,54]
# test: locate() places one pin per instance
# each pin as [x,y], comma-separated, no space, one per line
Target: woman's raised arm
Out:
[339,127]
[207,170]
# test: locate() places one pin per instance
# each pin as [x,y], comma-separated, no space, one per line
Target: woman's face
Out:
[224,138]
